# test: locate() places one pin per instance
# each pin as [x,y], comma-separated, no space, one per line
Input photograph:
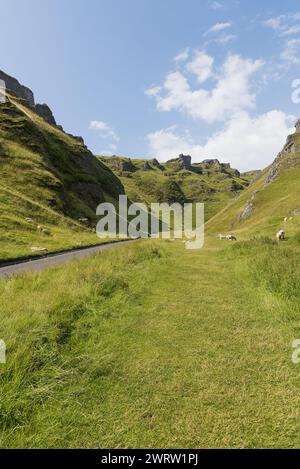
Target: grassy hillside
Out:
[274,196]
[49,177]
[148,181]
[154,346]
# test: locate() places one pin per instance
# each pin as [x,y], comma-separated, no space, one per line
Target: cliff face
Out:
[288,157]
[47,178]
[52,167]
[16,89]
[26,97]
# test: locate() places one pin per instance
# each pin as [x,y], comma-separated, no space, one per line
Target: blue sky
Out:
[154,78]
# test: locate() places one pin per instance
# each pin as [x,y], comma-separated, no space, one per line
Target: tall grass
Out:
[44,316]
[273,265]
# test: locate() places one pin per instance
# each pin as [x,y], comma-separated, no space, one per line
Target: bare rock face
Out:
[45,112]
[16,89]
[147,166]
[288,148]
[157,164]
[236,173]
[247,212]
[26,97]
[127,166]
[249,207]
[185,162]
[210,163]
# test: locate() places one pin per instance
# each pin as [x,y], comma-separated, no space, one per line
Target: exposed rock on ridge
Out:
[288,149]
[16,89]
[185,162]
[45,112]
[26,97]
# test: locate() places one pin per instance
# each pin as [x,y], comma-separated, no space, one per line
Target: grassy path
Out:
[189,354]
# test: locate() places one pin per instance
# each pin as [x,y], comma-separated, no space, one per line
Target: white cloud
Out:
[201,66]
[247,143]
[216,5]
[153,91]
[166,144]
[292,30]
[291,52]
[219,27]
[225,39]
[104,129]
[285,26]
[182,56]
[98,125]
[230,94]
[275,22]
[251,142]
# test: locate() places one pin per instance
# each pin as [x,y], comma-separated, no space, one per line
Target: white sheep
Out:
[280,235]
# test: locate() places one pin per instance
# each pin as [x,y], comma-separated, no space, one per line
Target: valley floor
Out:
[153,345]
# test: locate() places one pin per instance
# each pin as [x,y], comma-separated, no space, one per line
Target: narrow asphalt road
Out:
[52,260]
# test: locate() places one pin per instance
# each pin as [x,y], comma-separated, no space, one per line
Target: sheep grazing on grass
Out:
[280,235]
[231,238]
[41,229]
[38,249]
[227,237]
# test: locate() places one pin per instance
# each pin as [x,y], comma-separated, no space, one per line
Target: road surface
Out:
[53,260]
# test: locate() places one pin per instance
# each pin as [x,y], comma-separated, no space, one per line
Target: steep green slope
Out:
[178,180]
[271,203]
[48,178]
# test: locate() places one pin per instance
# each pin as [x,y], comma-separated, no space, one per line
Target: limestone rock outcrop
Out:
[26,97]
[157,164]
[45,112]
[185,162]
[288,149]
[14,87]
[127,166]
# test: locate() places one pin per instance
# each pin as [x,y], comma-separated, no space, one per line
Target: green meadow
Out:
[153,345]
